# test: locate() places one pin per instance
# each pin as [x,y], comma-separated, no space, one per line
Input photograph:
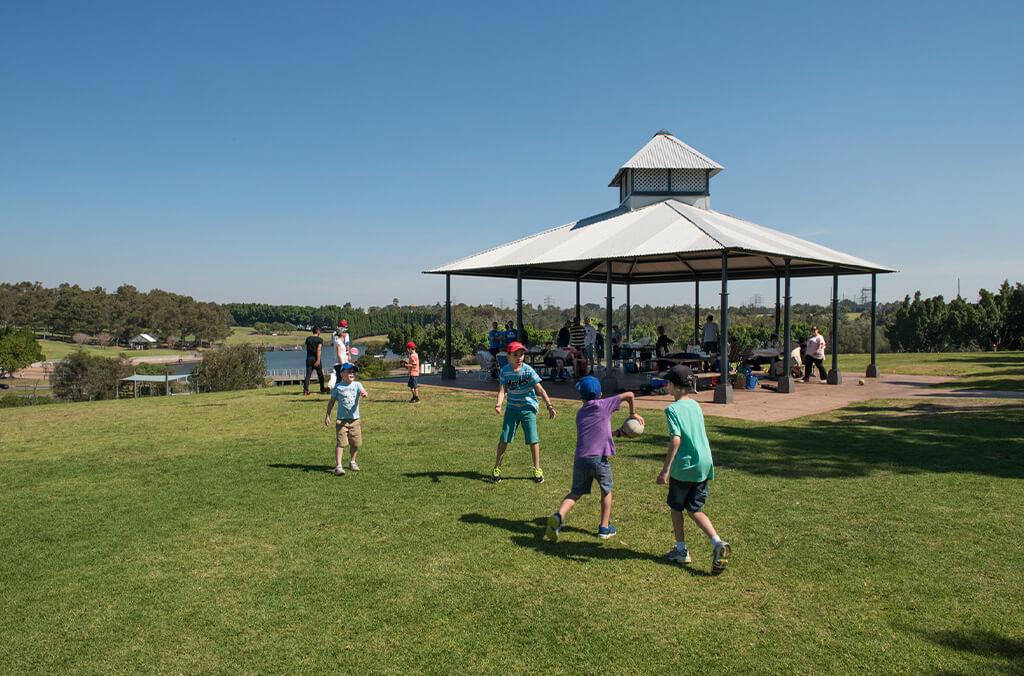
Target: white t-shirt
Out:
[816,347]
[341,345]
[591,337]
[710,333]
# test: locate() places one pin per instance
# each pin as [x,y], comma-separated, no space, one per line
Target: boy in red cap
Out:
[412,363]
[521,383]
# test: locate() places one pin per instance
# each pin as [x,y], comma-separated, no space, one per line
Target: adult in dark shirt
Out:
[599,343]
[661,348]
[314,345]
[563,336]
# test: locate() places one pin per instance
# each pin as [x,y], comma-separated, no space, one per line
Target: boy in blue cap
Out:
[594,446]
[348,428]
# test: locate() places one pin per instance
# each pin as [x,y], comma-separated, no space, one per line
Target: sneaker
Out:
[720,557]
[605,532]
[676,556]
[554,527]
[339,471]
[353,466]
[538,475]
[496,475]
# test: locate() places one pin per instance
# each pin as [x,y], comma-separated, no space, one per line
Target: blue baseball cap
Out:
[589,388]
[349,366]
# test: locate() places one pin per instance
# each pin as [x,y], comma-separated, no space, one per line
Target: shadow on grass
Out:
[304,468]
[466,474]
[1006,652]
[925,436]
[530,534]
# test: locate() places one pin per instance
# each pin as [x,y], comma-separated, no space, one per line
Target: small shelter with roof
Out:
[664,231]
[143,341]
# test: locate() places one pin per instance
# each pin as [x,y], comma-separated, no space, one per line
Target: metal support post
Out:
[629,309]
[834,376]
[609,384]
[577,300]
[519,303]
[448,370]
[777,307]
[786,382]
[696,313]
[723,393]
[872,371]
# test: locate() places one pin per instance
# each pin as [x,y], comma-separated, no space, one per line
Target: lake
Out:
[280,360]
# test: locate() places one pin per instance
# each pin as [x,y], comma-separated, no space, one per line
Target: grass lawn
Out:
[974,370]
[55,350]
[203,533]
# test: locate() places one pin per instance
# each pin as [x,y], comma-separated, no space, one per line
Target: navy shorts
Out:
[686,496]
[585,470]
[412,382]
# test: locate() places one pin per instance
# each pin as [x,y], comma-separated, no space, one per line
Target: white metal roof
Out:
[155,379]
[665,151]
[663,242]
[144,337]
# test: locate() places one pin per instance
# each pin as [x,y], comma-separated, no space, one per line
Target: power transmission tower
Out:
[547,302]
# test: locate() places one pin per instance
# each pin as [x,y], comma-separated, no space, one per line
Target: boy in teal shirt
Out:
[522,384]
[688,468]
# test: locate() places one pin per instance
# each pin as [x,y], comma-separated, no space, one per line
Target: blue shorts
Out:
[413,383]
[514,417]
[585,470]
[687,496]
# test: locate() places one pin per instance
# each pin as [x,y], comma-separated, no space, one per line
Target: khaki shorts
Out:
[349,432]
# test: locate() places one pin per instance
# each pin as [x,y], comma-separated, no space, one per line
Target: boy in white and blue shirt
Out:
[521,384]
[347,392]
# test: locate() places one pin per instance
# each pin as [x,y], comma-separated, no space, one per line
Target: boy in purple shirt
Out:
[594,446]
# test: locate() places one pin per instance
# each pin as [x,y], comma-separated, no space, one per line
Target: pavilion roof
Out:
[668,241]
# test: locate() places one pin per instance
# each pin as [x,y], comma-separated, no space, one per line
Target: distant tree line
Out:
[110,318]
[373,321]
[933,325]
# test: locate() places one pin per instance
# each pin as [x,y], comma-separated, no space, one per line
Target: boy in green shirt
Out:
[688,468]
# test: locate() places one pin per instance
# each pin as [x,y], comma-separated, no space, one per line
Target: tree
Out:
[233,367]
[84,377]
[18,349]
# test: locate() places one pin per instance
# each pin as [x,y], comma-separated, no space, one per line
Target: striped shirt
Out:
[577,336]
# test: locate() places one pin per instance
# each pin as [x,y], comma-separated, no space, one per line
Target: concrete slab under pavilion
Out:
[755,405]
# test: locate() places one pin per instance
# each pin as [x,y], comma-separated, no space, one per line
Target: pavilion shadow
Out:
[1004,651]
[922,437]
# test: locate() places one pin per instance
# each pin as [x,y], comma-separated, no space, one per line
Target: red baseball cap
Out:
[343,324]
[410,345]
[515,346]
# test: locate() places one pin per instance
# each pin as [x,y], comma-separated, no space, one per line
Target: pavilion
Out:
[664,231]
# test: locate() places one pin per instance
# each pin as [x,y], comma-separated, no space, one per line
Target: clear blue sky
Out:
[328,152]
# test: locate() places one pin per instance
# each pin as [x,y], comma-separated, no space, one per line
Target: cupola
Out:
[665,168]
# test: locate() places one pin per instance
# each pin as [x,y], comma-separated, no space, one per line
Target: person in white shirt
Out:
[710,337]
[342,343]
[814,355]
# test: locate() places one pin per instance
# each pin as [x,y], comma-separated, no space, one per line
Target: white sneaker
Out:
[353,466]
[676,556]
[339,471]
[720,557]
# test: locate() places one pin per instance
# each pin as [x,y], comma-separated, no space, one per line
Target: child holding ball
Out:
[594,448]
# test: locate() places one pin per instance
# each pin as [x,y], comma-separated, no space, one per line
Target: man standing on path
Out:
[814,355]
[314,346]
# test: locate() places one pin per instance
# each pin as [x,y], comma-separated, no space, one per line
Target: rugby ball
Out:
[860,382]
[632,428]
